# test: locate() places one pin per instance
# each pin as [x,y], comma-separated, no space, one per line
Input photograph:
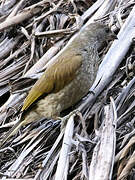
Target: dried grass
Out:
[98,142]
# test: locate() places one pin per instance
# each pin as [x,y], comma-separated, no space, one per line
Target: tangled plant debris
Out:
[98,142]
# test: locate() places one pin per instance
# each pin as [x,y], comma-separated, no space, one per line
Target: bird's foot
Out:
[65,119]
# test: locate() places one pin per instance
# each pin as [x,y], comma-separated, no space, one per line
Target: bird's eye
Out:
[107,30]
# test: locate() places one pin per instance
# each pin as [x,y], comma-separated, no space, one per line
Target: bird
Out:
[68,79]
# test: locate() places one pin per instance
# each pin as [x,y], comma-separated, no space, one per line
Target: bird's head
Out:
[99,33]
[103,32]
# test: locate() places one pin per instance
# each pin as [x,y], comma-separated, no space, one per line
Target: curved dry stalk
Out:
[123,153]
[25,14]
[127,147]
[103,156]
[14,55]
[92,9]
[127,137]
[122,97]
[16,9]
[7,46]
[50,153]
[55,33]
[63,163]
[127,168]
[49,12]
[5,8]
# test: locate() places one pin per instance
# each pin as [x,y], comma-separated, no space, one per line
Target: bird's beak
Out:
[113,36]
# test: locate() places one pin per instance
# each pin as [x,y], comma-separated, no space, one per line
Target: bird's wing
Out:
[54,78]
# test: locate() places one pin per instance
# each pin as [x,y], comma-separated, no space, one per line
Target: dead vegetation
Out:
[98,143]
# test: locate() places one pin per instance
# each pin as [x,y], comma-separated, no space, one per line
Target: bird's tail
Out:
[11,132]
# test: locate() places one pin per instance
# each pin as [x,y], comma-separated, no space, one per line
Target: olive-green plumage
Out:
[69,78]
[55,77]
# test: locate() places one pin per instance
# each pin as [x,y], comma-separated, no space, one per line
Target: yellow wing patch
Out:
[54,78]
